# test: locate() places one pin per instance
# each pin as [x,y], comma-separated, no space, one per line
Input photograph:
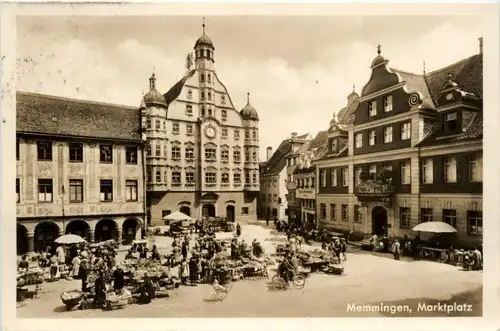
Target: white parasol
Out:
[69,239]
[434,227]
[177,216]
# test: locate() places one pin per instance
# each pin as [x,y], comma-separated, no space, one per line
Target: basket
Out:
[337,269]
[72,302]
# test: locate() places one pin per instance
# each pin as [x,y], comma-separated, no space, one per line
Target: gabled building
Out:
[407,150]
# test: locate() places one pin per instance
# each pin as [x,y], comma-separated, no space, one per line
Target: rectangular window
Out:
[254,178]
[247,177]
[404,217]
[388,103]
[450,122]
[244,210]
[106,190]
[175,127]
[150,123]
[17,149]
[405,131]
[254,134]
[405,172]
[189,110]
[247,156]
[210,178]
[345,177]
[210,154]
[450,169]
[372,170]
[202,95]
[358,140]
[18,190]
[358,215]
[75,152]
[223,99]
[224,114]
[254,156]
[237,178]
[474,222]
[189,153]
[426,215]
[190,94]
[44,150]
[176,152]
[209,77]
[75,190]
[372,138]
[236,134]
[148,148]
[149,174]
[165,213]
[333,212]
[131,155]
[202,77]
[333,174]
[158,176]
[45,190]
[450,217]
[224,155]
[131,190]
[334,145]
[209,94]
[427,171]
[189,129]
[176,177]
[203,112]
[190,177]
[158,125]
[158,150]
[372,107]
[322,174]
[224,133]
[357,174]
[476,168]
[388,134]
[345,213]
[247,134]
[237,156]
[106,153]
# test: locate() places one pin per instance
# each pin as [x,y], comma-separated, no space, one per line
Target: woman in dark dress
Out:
[193,270]
[155,255]
[100,291]
[238,229]
[118,280]
[147,290]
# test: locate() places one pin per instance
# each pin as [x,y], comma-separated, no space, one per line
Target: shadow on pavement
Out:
[60,309]
[464,304]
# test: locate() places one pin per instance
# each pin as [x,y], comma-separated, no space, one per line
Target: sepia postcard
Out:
[287,166]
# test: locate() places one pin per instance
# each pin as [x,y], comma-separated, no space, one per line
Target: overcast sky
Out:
[299,70]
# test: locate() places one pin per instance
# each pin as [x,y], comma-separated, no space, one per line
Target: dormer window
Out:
[372,108]
[388,103]
[209,95]
[450,122]
[189,110]
[223,99]
[334,145]
[209,77]
[358,140]
[190,94]
[224,114]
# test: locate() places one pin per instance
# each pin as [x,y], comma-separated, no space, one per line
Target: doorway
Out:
[379,221]
[208,210]
[185,210]
[230,213]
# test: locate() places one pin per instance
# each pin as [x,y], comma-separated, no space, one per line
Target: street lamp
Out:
[62,207]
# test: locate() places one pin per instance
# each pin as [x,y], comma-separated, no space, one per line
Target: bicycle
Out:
[298,281]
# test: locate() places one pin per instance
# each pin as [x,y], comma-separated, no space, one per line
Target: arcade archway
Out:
[130,228]
[80,228]
[106,229]
[45,234]
[185,210]
[22,239]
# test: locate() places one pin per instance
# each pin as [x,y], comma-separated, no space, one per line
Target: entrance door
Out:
[230,213]
[379,221]
[208,210]
[185,210]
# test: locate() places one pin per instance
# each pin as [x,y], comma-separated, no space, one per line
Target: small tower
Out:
[204,51]
[251,146]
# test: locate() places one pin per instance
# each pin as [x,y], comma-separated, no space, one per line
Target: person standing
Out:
[396,249]
[267,222]
[193,270]
[61,254]
[238,229]
[343,245]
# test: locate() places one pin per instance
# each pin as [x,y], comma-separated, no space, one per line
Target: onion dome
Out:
[153,97]
[204,40]
[353,94]
[249,112]
[379,59]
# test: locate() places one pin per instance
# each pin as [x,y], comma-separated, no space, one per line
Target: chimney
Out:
[269,152]
[481,45]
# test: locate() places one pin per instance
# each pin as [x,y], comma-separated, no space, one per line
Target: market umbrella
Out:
[434,227]
[69,239]
[177,216]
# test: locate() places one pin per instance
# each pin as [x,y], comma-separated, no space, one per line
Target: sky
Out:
[297,69]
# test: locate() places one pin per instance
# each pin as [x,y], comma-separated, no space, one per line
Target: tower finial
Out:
[379,49]
[248,97]
[424,67]
[203,25]
[152,81]
[353,88]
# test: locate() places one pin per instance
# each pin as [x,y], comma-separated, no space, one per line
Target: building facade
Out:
[202,154]
[408,150]
[79,170]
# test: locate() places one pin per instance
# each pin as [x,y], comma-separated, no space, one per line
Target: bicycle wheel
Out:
[279,283]
[299,281]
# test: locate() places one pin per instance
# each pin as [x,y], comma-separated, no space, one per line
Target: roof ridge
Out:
[406,72]
[452,65]
[54,97]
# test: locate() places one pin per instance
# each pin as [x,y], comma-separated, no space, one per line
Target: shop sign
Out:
[305,193]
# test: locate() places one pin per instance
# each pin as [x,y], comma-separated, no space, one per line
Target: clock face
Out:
[210,132]
[449,96]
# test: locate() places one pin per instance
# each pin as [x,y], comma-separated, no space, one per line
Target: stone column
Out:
[119,236]
[31,242]
[92,235]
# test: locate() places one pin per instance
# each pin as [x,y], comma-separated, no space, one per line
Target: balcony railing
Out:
[374,189]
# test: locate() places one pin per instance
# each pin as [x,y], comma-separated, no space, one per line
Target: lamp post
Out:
[62,207]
